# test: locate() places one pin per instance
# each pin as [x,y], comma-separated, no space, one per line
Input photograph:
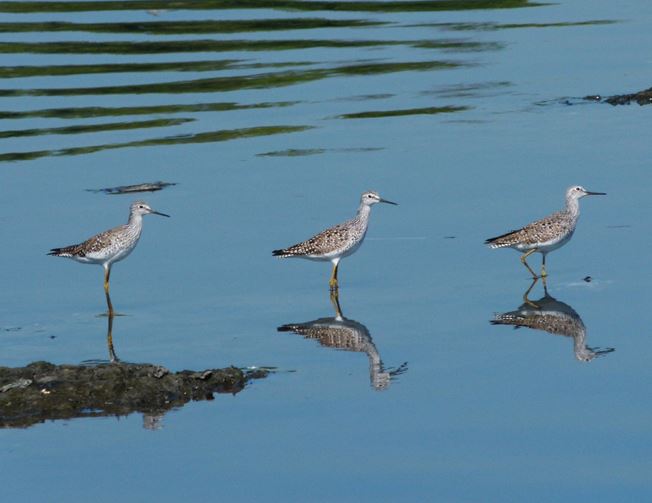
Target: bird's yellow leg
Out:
[543,267]
[524,262]
[333,281]
[107,275]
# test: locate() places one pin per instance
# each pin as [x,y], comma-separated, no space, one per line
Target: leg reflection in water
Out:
[113,358]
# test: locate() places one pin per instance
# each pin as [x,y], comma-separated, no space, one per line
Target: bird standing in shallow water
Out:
[110,246]
[338,241]
[546,234]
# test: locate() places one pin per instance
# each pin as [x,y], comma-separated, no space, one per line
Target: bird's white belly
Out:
[326,257]
[84,260]
[354,248]
[111,255]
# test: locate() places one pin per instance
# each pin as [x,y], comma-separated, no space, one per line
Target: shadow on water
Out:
[552,316]
[43,391]
[177,27]
[483,26]
[296,5]
[13,72]
[398,113]
[348,335]
[209,137]
[302,152]
[474,90]
[93,128]
[224,84]
[86,112]
[183,46]
[336,36]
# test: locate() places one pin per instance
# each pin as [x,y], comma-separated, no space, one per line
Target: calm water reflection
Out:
[59,59]
[347,335]
[552,316]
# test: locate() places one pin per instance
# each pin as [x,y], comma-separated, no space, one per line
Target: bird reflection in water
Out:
[348,335]
[552,316]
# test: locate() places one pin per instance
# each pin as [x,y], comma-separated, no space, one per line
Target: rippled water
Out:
[271,118]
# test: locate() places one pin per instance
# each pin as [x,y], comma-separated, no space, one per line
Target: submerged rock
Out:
[642,98]
[140,187]
[42,390]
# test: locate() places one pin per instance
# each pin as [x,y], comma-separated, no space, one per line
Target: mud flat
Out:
[42,391]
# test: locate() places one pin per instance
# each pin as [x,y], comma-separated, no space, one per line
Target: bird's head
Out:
[370,198]
[142,208]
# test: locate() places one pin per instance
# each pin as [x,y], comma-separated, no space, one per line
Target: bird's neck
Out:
[135,221]
[363,213]
[573,207]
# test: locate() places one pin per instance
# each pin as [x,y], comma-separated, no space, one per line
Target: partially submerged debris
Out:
[139,187]
[42,391]
[642,98]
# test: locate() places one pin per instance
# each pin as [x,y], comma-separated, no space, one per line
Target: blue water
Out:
[481,412]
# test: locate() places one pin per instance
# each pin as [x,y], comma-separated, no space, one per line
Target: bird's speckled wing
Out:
[331,240]
[546,229]
[91,246]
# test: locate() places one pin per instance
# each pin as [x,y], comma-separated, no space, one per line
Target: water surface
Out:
[272,118]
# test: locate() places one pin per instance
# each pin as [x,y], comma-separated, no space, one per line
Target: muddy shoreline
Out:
[43,391]
[641,97]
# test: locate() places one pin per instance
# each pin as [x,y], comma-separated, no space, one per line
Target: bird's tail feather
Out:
[500,241]
[63,252]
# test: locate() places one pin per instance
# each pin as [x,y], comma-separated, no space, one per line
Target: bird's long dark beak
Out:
[159,213]
[386,201]
[588,193]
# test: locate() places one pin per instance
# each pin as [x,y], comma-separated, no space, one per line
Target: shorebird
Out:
[338,241]
[110,246]
[547,234]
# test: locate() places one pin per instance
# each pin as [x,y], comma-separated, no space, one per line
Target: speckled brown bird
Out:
[338,241]
[547,234]
[110,246]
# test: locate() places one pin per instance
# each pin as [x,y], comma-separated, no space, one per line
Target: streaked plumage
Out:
[109,246]
[338,241]
[547,234]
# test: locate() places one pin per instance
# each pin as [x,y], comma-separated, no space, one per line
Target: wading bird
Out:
[547,234]
[110,246]
[338,241]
